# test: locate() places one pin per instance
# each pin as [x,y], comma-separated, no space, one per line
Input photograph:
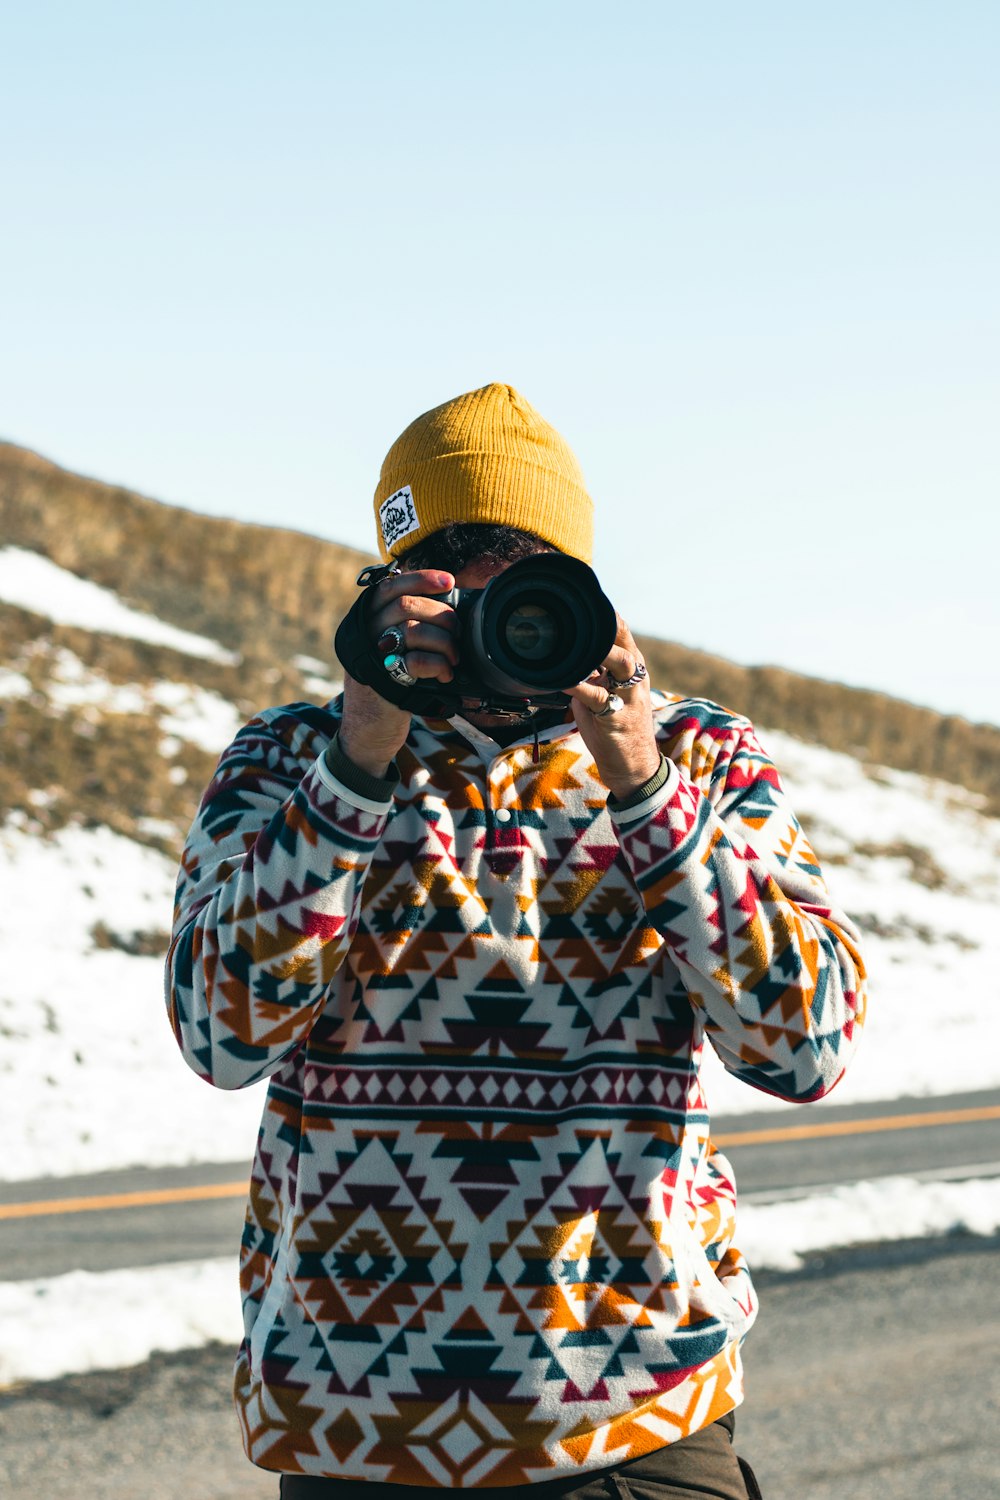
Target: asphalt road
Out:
[140,1217]
[872,1374]
[868,1379]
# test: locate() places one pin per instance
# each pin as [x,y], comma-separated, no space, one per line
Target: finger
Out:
[590,695]
[416,635]
[624,639]
[428,664]
[413,608]
[423,581]
[623,635]
[621,662]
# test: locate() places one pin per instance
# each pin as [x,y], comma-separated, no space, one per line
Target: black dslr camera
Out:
[538,626]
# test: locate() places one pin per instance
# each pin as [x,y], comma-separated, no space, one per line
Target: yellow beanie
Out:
[485,457]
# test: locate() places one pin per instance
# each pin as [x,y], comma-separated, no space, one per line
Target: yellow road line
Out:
[122,1200]
[857,1127]
[775,1134]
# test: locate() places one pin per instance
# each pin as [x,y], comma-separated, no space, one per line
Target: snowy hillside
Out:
[91,1077]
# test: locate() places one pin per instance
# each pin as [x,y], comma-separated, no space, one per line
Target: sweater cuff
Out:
[361,783]
[647,798]
[648,789]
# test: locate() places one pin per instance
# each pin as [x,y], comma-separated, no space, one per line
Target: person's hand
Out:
[374,730]
[622,743]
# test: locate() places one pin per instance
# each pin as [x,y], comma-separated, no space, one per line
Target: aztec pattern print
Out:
[489,1239]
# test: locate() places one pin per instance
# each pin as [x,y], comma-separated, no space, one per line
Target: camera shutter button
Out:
[502,815]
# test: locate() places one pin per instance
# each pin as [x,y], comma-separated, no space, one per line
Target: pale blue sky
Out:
[745,258]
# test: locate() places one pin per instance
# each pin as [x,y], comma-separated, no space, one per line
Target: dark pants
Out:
[700,1467]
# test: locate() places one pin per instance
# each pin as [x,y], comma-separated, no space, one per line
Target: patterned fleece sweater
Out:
[489,1240]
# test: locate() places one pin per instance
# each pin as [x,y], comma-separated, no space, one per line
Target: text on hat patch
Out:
[398,516]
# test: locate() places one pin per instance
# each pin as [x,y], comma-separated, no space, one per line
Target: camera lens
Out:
[542,623]
[530,631]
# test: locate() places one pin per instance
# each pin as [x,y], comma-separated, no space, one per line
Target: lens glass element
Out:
[540,624]
[530,632]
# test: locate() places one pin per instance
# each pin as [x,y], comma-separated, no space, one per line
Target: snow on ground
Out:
[778,1235]
[185,711]
[933,953]
[61,1325]
[90,1074]
[90,1077]
[13,684]
[88,1321]
[316,678]
[34,582]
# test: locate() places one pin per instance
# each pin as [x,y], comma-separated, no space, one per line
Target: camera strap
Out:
[376,573]
[358,656]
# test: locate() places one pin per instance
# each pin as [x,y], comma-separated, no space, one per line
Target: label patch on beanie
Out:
[398,516]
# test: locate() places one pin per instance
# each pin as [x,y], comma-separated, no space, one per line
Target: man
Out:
[489,1242]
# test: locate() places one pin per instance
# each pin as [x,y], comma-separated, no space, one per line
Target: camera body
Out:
[540,625]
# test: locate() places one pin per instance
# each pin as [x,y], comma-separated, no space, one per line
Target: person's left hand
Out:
[623,744]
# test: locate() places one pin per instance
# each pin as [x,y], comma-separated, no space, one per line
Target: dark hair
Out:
[459,543]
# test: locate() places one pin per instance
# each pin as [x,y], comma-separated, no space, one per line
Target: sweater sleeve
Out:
[268,900]
[729,880]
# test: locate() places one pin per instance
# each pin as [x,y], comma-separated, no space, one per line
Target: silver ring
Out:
[614,705]
[393,638]
[627,682]
[396,668]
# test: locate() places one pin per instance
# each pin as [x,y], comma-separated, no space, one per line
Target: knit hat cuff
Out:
[490,488]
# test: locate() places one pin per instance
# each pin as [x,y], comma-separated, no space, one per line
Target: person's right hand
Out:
[374,730]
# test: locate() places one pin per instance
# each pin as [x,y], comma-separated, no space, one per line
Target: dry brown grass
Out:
[271,594]
[875,727]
